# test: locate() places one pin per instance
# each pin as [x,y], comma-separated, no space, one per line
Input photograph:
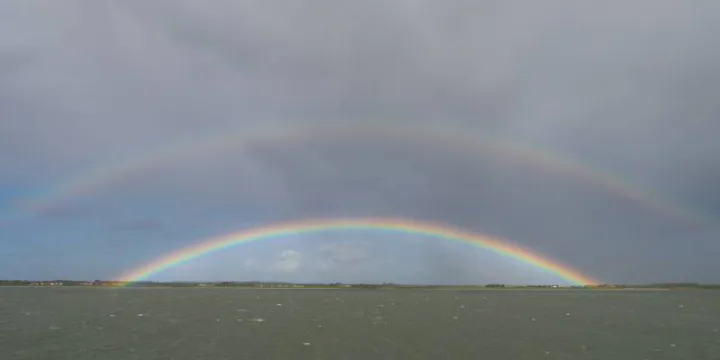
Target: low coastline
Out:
[339,286]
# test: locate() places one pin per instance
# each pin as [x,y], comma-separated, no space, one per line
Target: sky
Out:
[142,92]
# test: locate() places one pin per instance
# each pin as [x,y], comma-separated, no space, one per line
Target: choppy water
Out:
[176,323]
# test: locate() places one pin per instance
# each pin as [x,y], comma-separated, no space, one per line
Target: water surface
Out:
[201,323]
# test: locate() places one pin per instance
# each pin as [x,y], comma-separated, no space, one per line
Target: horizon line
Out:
[346,283]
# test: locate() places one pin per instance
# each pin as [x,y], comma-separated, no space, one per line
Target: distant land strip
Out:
[378,286]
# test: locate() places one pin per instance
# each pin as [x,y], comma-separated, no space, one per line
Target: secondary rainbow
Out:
[460,139]
[274,231]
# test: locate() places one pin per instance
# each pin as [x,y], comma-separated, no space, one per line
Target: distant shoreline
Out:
[351,286]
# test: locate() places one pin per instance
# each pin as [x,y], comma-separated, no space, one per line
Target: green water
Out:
[175,323]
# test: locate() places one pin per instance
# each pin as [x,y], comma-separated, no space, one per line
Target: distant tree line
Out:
[15,282]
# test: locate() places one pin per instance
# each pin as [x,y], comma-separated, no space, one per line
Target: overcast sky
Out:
[625,87]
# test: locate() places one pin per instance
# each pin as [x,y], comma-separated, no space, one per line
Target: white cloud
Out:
[288,261]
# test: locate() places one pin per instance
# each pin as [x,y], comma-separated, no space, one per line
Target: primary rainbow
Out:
[399,225]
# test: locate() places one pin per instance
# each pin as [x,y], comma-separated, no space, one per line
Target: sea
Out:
[74,323]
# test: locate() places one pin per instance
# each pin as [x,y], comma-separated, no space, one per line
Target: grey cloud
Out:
[138,225]
[556,73]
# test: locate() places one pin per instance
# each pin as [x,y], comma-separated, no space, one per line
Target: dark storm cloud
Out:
[628,87]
